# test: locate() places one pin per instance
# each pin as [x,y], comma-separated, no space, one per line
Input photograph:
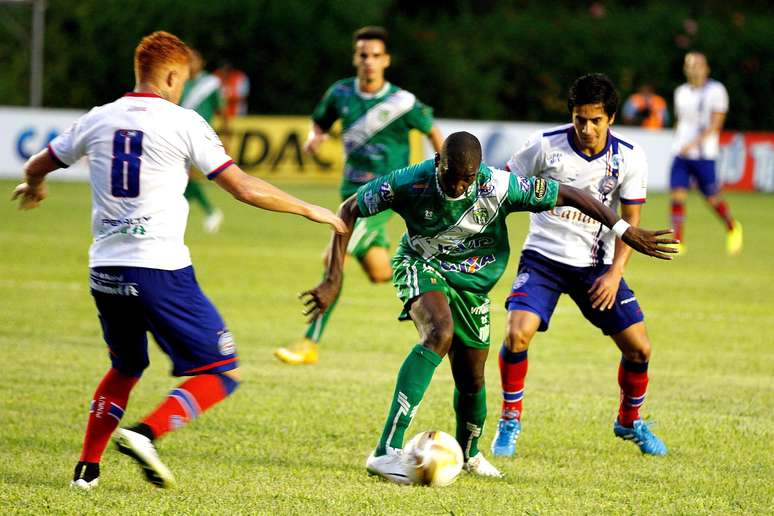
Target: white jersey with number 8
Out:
[139,150]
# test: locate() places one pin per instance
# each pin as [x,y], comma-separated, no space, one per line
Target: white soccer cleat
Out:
[141,449]
[85,476]
[478,465]
[391,466]
[213,221]
[84,485]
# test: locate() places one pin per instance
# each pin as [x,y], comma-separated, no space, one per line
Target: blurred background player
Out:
[376,119]
[567,252]
[141,276]
[235,88]
[453,252]
[202,93]
[645,108]
[701,105]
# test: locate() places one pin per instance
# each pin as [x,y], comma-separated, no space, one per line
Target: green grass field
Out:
[294,440]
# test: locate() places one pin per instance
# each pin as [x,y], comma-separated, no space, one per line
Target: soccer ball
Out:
[436,456]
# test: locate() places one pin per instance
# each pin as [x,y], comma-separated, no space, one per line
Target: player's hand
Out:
[29,197]
[652,243]
[313,142]
[317,300]
[326,216]
[604,290]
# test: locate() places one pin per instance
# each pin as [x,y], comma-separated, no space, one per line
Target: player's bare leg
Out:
[376,264]
[433,319]
[520,329]
[633,380]
[678,196]
[734,235]
[467,366]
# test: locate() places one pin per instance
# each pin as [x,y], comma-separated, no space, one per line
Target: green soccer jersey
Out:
[202,94]
[375,128]
[465,239]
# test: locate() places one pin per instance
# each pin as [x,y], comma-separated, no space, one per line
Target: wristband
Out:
[620,227]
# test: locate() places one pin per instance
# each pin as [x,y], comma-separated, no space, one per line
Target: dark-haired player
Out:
[141,277]
[376,118]
[453,252]
[567,252]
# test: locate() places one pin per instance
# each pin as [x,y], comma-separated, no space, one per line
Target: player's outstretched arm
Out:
[261,194]
[32,192]
[652,243]
[318,299]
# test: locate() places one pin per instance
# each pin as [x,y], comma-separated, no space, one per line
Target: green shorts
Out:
[470,312]
[369,232]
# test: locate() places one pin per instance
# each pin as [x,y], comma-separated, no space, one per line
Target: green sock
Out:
[471,413]
[317,327]
[413,378]
[195,192]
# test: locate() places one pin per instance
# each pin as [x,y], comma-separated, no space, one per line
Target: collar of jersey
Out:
[571,140]
[369,96]
[471,188]
[142,94]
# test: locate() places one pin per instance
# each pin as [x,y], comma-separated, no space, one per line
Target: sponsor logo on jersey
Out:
[371,202]
[540,188]
[520,281]
[226,344]
[481,309]
[486,189]
[607,184]
[481,216]
[554,158]
[428,214]
[385,192]
[523,183]
[463,246]
[469,265]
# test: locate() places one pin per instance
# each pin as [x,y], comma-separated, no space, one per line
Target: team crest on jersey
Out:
[523,183]
[520,281]
[540,188]
[607,184]
[470,265]
[486,189]
[226,344]
[480,215]
[385,192]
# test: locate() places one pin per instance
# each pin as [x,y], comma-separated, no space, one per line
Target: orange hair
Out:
[156,50]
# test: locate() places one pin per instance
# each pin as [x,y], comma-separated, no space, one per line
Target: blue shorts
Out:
[170,305]
[702,170]
[541,281]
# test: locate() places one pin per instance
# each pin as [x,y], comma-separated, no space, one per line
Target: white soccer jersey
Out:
[618,173]
[693,110]
[140,148]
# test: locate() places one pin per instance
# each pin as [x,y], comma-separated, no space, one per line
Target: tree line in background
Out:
[483,59]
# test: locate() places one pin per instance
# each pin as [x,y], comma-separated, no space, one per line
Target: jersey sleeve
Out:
[206,150]
[325,113]
[68,147]
[718,99]
[634,185]
[390,191]
[531,193]
[420,117]
[526,162]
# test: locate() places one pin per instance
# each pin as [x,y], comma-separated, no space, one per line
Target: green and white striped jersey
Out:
[465,239]
[375,128]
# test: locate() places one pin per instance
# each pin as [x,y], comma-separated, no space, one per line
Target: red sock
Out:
[633,380]
[721,208]
[513,371]
[678,214]
[187,401]
[105,412]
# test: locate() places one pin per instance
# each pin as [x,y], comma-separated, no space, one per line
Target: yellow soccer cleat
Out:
[302,352]
[734,240]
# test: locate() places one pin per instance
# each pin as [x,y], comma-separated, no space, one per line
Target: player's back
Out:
[139,150]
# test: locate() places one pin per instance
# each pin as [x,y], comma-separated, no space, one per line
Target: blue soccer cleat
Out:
[639,432]
[504,443]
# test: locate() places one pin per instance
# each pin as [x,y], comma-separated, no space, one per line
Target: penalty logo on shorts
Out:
[226,344]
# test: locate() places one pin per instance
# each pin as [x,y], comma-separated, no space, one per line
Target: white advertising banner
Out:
[25,131]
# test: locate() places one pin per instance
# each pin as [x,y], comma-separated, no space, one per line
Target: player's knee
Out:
[439,337]
[379,275]
[638,352]
[517,339]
